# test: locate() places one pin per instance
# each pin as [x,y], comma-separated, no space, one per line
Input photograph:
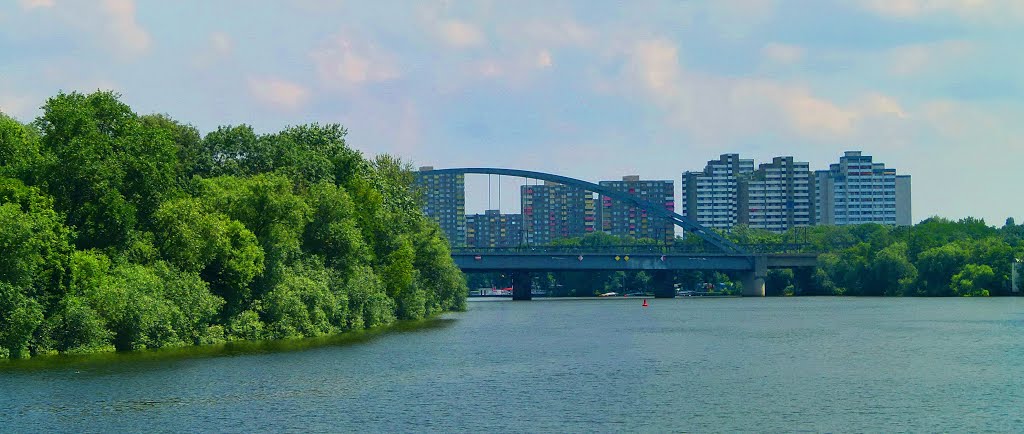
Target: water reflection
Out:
[118,361]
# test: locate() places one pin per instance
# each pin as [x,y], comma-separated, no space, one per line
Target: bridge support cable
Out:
[690,226]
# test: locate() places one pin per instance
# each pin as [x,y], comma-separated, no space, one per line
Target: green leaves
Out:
[184,239]
[892,271]
[77,328]
[107,170]
[973,281]
[20,316]
[196,239]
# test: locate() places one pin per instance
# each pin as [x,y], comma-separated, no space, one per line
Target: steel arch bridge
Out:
[689,226]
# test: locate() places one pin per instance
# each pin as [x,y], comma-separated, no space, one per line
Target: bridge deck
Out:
[546,261]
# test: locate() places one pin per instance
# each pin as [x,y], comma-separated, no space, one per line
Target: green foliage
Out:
[232,150]
[152,307]
[122,231]
[269,208]
[36,245]
[20,155]
[21,317]
[779,281]
[246,326]
[197,239]
[973,281]
[303,304]
[106,170]
[937,257]
[187,141]
[191,296]
[333,231]
[937,266]
[369,305]
[77,328]
[891,271]
[743,234]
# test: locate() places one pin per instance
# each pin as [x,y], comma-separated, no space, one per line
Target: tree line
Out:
[121,231]
[936,257]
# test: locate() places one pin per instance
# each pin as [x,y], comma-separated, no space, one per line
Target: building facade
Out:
[444,200]
[494,229]
[712,197]
[625,220]
[903,216]
[777,196]
[858,190]
[554,211]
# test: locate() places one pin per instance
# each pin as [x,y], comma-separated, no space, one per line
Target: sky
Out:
[592,89]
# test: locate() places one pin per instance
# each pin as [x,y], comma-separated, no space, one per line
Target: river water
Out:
[688,364]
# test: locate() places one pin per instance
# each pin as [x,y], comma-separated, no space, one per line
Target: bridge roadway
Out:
[753,268]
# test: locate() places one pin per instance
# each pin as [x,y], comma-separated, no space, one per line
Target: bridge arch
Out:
[688,225]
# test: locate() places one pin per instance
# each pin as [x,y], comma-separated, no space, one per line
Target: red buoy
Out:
[645,303]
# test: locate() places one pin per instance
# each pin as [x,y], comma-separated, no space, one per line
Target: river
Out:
[687,364]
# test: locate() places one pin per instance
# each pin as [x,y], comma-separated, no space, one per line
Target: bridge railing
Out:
[631,249]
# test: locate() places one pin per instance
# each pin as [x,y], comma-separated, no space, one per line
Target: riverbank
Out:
[101,360]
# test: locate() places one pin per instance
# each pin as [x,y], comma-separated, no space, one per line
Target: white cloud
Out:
[489,68]
[218,46]
[460,34]
[345,63]
[987,11]
[878,104]
[515,70]
[123,30]
[33,4]
[544,59]
[547,33]
[766,103]
[723,109]
[278,93]
[112,23]
[655,63]
[913,8]
[912,60]
[782,53]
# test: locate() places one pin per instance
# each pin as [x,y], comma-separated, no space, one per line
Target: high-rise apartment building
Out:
[554,211]
[623,219]
[494,229]
[903,217]
[444,200]
[777,196]
[858,190]
[711,197]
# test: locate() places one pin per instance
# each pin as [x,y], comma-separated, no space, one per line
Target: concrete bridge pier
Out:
[522,284]
[661,280]
[753,281]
